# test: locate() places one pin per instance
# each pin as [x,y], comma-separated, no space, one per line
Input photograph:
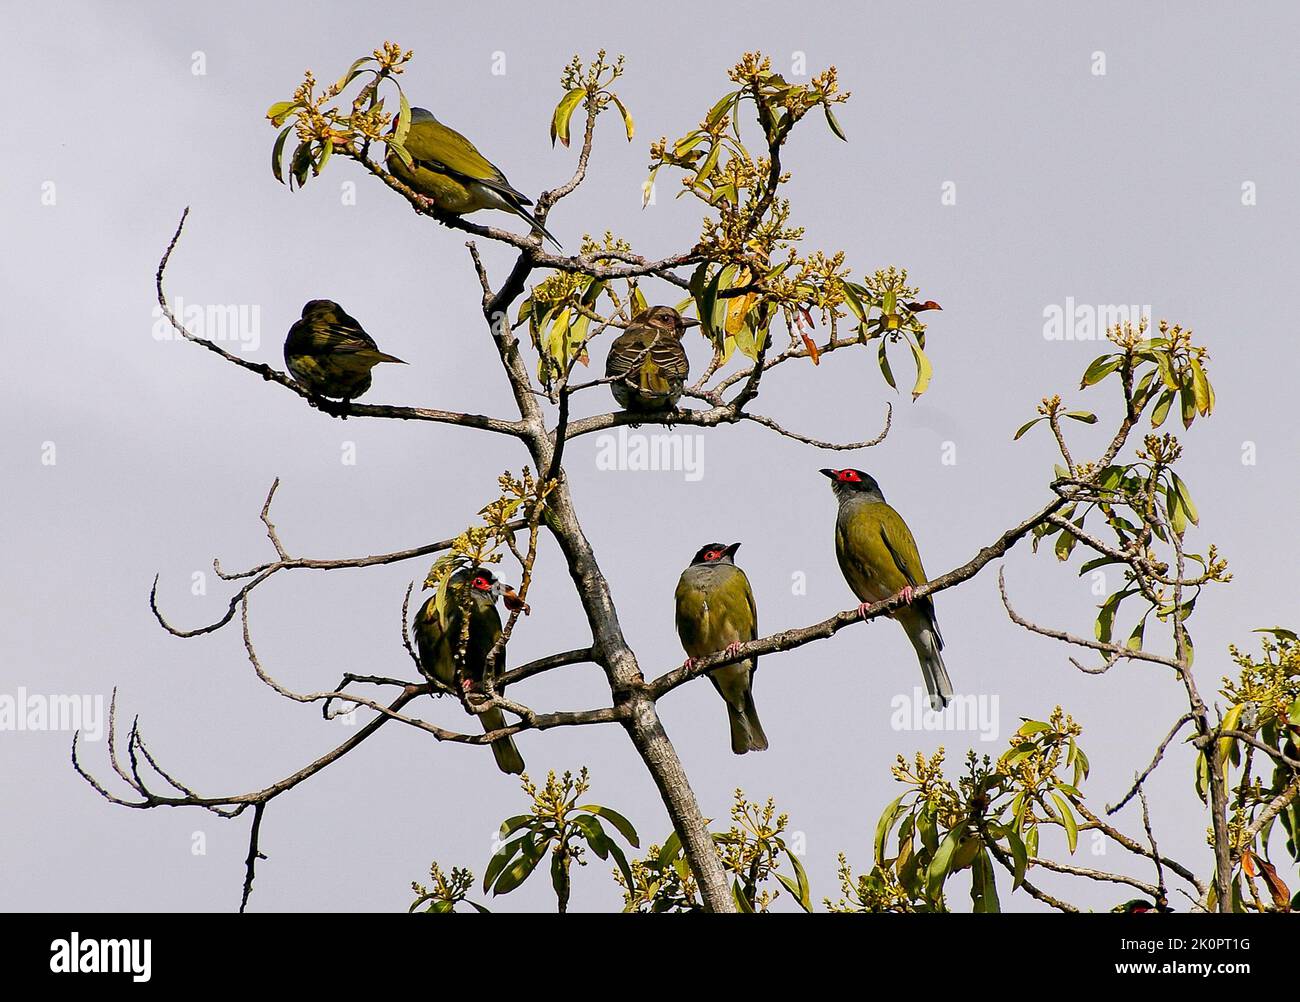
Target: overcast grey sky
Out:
[1122,188]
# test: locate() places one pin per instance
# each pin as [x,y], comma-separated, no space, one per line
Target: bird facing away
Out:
[649,361]
[329,353]
[879,559]
[449,170]
[472,591]
[716,612]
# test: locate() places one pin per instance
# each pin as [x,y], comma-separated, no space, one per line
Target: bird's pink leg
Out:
[688,664]
[466,684]
[907,594]
[732,648]
[862,609]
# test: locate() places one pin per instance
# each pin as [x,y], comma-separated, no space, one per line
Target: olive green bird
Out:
[449,170]
[716,612]
[879,559]
[471,591]
[330,354]
[648,363]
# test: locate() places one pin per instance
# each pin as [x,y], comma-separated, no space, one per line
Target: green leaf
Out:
[885,825]
[559,876]
[511,825]
[277,153]
[563,113]
[403,119]
[521,869]
[937,872]
[1201,391]
[1019,856]
[621,860]
[628,127]
[353,72]
[721,108]
[671,849]
[834,123]
[1024,427]
[593,833]
[742,902]
[498,862]
[279,111]
[1087,417]
[885,370]
[1071,825]
[984,886]
[803,891]
[1101,367]
[622,824]
[923,370]
[851,299]
[1162,408]
[1185,496]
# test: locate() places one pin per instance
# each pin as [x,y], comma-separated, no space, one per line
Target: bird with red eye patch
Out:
[440,629]
[879,559]
[716,612]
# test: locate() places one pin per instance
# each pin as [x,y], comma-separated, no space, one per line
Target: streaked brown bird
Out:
[649,361]
[330,354]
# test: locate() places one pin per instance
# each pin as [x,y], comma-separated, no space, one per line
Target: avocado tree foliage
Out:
[763,301]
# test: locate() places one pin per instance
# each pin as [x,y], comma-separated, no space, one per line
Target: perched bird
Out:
[715,612]
[878,558]
[329,353]
[472,591]
[450,172]
[649,361]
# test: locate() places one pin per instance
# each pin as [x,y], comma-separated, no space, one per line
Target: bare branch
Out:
[1136,788]
[790,639]
[340,409]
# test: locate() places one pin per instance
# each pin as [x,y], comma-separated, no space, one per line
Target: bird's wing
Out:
[638,348]
[690,614]
[436,147]
[345,334]
[901,545]
[431,642]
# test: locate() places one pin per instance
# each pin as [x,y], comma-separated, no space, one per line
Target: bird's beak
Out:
[513,601]
[690,322]
[731,550]
[829,473]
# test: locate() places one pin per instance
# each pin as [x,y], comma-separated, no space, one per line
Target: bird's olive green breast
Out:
[715,608]
[447,193]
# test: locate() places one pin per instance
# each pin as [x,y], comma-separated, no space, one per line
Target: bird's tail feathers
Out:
[937,683]
[746,731]
[504,750]
[536,224]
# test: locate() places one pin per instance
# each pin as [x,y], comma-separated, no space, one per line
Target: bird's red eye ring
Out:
[850,475]
[481,583]
[713,555]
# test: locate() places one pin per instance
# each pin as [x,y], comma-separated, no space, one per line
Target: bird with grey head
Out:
[716,612]
[879,559]
[449,171]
